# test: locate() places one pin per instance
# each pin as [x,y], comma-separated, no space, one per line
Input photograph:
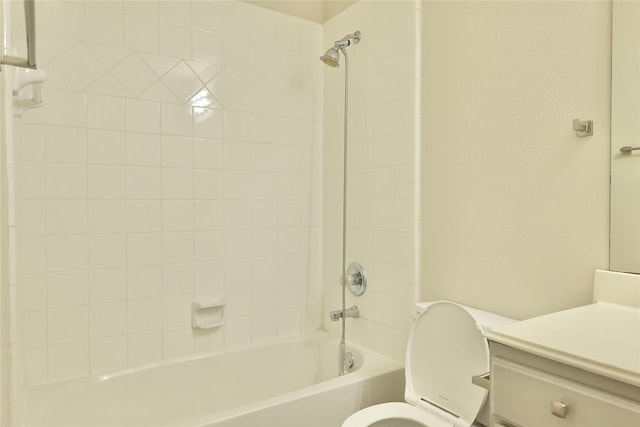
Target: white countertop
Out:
[602,338]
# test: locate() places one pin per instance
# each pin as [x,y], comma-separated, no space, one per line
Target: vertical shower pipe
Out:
[342,347]
[332,59]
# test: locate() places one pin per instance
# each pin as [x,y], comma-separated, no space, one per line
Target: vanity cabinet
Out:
[542,395]
[578,368]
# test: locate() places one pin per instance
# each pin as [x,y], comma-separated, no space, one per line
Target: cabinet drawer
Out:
[526,397]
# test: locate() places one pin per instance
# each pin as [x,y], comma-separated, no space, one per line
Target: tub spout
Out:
[349,312]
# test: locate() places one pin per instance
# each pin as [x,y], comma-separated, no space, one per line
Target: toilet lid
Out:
[446,348]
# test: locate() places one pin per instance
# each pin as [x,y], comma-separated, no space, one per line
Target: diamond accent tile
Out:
[79,66]
[204,70]
[159,92]
[182,81]
[158,63]
[107,55]
[107,85]
[225,87]
[55,80]
[134,74]
[51,47]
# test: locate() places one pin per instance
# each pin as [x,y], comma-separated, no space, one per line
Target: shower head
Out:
[332,56]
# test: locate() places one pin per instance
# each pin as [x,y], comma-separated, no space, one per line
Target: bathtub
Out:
[284,383]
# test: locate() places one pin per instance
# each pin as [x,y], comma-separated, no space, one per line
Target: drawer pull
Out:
[559,409]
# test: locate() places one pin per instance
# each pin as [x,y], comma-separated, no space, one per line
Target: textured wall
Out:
[515,206]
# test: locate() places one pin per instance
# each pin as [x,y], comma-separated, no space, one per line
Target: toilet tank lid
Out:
[485,319]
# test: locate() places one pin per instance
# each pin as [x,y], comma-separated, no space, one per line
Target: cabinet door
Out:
[528,397]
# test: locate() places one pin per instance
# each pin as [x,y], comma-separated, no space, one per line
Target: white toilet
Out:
[446,348]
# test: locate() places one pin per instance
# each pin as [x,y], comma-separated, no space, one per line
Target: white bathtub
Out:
[285,383]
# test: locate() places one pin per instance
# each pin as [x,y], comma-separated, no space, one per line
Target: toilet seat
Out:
[446,348]
[393,411]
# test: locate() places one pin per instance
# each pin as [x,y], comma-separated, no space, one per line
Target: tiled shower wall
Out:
[383,170]
[178,157]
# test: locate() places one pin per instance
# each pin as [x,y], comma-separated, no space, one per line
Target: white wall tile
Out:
[66,181]
[65,144]
[143,149]
[64,108]
[144,348]
[33,292]
[144,282]
[107,251]
[208,276]
[107,285]
[144,182]
[208,339]
[68,360]
[35,328]
[144,314]
[105,112]
[263,327]
[207,153]
[67,217]
[32,143]
[144,249]
[108,319]
[176,310]
[36,366]
[103,26]
[67,324]
[206,46]
[146,201]
[107,216]
[108,354]
[67,253]
[177,152]
[177,215]
[177,341]
[144,216]
[208,123]
[69,288]
[177,183]
[142,116]
[208,214]
[177,247]
[209,245]
[107,147]
[237,331]
[208,184]
[206,16]
[177,279]
[31,180]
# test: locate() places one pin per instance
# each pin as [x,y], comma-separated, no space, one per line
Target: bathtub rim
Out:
[372,364]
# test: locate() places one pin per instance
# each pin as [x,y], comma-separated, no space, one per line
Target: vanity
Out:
[575,368]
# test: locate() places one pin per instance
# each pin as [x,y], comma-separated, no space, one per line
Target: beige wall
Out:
[515,206]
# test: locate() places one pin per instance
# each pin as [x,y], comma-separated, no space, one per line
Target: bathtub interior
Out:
[192,391]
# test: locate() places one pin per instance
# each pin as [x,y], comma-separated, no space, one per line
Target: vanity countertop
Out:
[603,338]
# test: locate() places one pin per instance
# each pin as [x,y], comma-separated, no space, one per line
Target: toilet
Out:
[446,348]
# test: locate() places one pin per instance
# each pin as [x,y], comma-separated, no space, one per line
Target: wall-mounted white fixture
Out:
[583,128]
[28,90]
[207,313]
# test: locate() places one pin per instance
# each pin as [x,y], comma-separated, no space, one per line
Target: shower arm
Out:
[347,40]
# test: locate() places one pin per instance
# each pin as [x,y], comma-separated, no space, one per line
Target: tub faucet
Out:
[353,311]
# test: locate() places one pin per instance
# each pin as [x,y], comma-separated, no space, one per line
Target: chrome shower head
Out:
[331,57]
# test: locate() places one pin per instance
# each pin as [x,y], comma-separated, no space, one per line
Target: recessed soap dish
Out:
[207,313]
